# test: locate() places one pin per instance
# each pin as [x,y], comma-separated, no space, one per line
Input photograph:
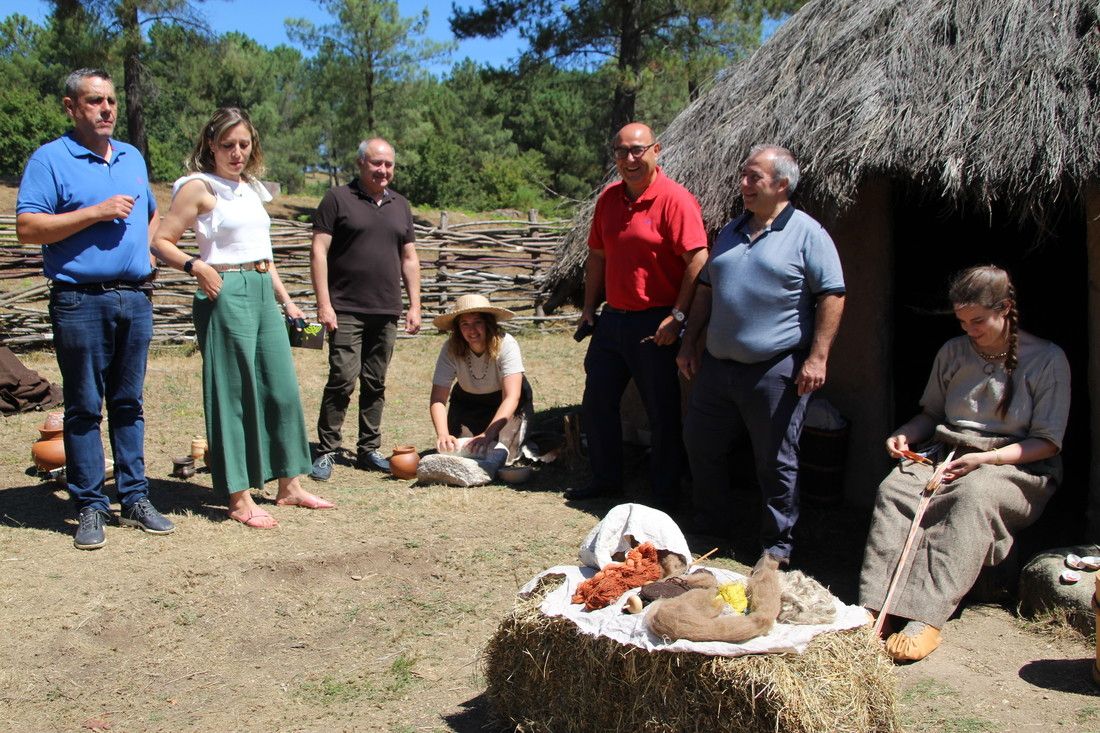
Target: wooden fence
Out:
[506,261]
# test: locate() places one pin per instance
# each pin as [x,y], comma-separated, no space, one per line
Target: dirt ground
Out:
[372,616]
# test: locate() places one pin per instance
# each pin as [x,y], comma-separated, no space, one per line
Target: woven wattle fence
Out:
[504,260]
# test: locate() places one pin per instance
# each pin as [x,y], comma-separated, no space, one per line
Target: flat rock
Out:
[1041,590]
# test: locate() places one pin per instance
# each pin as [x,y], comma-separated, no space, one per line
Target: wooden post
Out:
[441,264]
[1092,243]
[532,218]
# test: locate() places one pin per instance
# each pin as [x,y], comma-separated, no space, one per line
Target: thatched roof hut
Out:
[927,130]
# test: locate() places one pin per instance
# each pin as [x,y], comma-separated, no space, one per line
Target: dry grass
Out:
[369,617]
[372,617]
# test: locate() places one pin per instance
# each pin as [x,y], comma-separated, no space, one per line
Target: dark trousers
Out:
[615,355]
[730,400]
[361,346]
[101,340]
[475,411]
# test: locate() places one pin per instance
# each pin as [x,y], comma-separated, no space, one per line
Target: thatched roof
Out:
[991,101]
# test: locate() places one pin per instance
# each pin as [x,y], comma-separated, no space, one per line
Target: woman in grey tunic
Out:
[1000,397]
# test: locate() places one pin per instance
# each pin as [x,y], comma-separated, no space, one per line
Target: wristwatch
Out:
[189,264]
[679,315]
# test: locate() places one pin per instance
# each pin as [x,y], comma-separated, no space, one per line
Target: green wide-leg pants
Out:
[254,422]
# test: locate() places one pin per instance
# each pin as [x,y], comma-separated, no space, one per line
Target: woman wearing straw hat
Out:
[490,397]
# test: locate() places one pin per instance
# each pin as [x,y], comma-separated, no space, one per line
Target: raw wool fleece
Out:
[695,615]
[803,600]
[451,470]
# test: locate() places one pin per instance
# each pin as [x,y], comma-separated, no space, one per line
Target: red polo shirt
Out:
[644,240]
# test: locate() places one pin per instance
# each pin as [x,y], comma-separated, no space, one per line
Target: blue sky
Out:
[263,21]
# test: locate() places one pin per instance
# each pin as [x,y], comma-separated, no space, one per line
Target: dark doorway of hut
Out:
[933,240]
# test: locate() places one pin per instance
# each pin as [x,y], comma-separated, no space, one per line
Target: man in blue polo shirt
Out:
[86,199]
[770,301]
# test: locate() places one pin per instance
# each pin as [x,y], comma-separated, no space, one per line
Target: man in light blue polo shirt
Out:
[85,198]
[769,302]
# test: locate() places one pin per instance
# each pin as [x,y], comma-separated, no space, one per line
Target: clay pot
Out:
[199,448]
[52,426]
[404,461]
[55,421]
[49,453]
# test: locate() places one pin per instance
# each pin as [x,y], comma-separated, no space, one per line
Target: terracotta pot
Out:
[50,434]
[49,454]
[55,422]
[404,461]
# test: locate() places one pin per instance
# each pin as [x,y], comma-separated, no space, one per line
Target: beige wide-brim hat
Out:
[471,304]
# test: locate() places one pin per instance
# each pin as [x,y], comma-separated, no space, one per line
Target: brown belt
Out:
[258,266]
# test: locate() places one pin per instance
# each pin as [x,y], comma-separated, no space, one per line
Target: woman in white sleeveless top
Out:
[254,422]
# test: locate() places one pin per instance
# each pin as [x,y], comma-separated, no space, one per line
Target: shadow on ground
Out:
[474,717]
[1061,675]
[41,505]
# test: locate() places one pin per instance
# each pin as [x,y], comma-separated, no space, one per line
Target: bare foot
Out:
[255,519]
[243,509]
[291,493]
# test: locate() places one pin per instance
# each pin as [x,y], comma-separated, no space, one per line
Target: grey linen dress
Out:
[970,521]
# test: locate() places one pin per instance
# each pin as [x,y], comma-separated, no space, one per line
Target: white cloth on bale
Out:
[639,521]
[627,628]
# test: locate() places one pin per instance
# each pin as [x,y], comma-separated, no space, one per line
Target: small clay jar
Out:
[404,461]
[198,448]
[49,453]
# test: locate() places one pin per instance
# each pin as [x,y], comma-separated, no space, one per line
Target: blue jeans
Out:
[729,400]
[615,355]
[102,344]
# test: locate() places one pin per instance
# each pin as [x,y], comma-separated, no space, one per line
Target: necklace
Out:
[470,367]
[989,357]
[991,360]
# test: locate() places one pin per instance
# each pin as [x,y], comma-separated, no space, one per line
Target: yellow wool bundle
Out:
[733,595]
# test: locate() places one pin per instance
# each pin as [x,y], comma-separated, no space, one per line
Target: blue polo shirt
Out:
[764,293]
[63,176]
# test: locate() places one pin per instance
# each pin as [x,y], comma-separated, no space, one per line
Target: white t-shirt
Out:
[477,374]
[238,228]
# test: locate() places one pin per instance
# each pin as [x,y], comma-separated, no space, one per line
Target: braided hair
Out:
[991,287]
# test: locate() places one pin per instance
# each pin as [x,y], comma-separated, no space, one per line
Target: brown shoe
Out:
[913,643]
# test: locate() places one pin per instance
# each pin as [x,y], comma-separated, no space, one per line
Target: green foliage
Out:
[530,136]
[633,38]
[26,121]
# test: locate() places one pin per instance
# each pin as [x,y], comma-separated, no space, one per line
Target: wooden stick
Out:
[701,558]
[926,496]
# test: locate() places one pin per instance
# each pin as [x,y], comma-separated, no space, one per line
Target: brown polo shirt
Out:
[364,261]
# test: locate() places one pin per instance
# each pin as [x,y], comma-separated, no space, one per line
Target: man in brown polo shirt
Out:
[363,248]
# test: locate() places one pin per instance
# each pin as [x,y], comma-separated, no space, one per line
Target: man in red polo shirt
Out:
[645,250]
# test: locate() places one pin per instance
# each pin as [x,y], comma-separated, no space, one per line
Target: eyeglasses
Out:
[637,151]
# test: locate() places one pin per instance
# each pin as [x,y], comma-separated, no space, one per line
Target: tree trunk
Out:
[370,99]
[630,53]
[132,82]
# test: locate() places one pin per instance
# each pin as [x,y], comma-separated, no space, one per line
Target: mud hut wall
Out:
[1092,236]
[859,381]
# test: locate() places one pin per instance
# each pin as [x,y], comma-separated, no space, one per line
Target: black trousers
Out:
[616,354]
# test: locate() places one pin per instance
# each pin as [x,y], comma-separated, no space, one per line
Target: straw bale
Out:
[544,675]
